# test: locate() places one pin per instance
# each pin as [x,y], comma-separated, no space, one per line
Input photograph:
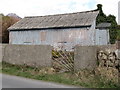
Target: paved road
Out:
[19,82]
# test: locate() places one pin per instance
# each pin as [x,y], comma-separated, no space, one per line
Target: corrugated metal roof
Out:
[103,25]
[56,21]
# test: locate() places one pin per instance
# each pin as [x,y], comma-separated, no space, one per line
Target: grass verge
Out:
[85,78]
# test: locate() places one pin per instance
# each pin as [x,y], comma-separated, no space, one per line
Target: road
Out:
[20,82]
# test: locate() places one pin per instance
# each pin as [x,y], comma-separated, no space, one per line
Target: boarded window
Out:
[43,35]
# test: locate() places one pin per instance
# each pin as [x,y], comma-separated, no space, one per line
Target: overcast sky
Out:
[46,7]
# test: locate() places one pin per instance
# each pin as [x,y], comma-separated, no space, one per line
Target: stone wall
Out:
[32,55]
[89,57]
[108,57]
[85,57]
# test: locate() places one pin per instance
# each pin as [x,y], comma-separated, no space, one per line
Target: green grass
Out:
[64,78]
[26,71]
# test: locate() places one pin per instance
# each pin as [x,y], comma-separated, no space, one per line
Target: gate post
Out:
[85,57]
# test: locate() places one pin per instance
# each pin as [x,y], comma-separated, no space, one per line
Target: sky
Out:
[25,8]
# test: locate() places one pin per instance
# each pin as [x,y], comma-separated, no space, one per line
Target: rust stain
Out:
[43,35]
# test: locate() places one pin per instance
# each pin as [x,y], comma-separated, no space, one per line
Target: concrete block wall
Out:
[32,55]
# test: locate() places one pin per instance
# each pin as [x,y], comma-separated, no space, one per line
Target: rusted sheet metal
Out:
[25,37]
[102,37]
[62,39]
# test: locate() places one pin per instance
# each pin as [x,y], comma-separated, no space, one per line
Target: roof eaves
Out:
[23,29]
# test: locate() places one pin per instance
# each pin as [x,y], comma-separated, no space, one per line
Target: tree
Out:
[113,32]
[101,16]
[5,23]
[118,32]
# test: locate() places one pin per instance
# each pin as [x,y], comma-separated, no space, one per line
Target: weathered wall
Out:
[102,37]
[87,57]
[59,38]
[33,55]
[2,48]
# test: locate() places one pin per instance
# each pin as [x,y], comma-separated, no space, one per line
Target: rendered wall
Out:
[85,57]
[32,55]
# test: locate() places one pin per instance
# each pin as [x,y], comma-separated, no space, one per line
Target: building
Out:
[119,13]
[62,31]
[102,33]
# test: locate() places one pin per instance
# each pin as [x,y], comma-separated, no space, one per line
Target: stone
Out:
[47,70]
[100,53]
[116,62]
[104,57]
[116,52]
[109,63]
[102,63]
[107,51]
[111,56]
[50,70]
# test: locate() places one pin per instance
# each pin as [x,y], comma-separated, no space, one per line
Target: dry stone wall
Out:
[108,58]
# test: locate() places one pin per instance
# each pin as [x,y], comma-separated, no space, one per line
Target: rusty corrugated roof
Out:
[55,21]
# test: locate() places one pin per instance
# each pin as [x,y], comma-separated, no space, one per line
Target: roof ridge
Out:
[48,21]
[62,14]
